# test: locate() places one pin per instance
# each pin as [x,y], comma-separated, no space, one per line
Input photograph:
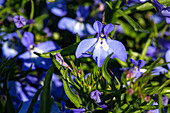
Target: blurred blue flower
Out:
[2,2]
[136,72]
[29,58]
[156,17]
[20,21]
[58,7]
[36,107]
[95,95]
[101,46]
[165,11]
[77,25]
[166,46]
[11,46]
[159,70]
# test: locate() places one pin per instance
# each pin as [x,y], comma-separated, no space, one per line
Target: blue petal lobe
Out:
[98,26]
[66,23]
[167,58]
[84,47]
[99,55]
[48,46]
[27,39]
[108,28]
[119,50]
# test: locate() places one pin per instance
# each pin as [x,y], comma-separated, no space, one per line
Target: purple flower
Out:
[20,21]
[77,25]
[95,95]
[165,11]
[58,7]
[156,17]
[166,46]
[159,70]
[165,100]
[136,71]
[2,2]
[101,46]
[60,59]
[29,58]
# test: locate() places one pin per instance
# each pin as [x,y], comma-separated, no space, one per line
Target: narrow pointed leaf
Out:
[135,25]
[46,100]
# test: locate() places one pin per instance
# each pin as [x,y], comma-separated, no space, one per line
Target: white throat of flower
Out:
[35,49]
[102,43]
[79,26]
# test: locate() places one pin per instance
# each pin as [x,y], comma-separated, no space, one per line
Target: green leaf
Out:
[77,38]
[51,0]
[70,50]
[34,100]
[105,74]
[32,10]
[144,51]
[71,95]
[135,25]
[45,98]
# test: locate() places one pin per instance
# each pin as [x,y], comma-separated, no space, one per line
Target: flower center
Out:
[102,44]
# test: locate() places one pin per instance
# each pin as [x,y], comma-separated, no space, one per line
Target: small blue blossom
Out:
[165,11]
[20,21]
[157,18]
[101,46]
[159,70]
[95,95]
[58,7]
[136,72]
[77,25]
[29,58]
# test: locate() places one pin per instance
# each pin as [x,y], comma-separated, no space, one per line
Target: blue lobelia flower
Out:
[29,57]
[11,46]
[159,70]
[58,7]
[165,11]
[101,46]
[96,96]
[77,25]
[136,72]
[20,21]
[166,46]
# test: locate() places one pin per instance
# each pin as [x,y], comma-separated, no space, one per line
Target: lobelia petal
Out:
[134,62]
[82,12]
[158,6]
[19,21]
[27,39]
[98,26]
[48,46]
[90,29]
[25,55]
[119,50]
[66,23]
[84,47]
[99,55]
[166,12]
[108,28]
[140,63]
[42,62]
[167,58]
[58,8]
